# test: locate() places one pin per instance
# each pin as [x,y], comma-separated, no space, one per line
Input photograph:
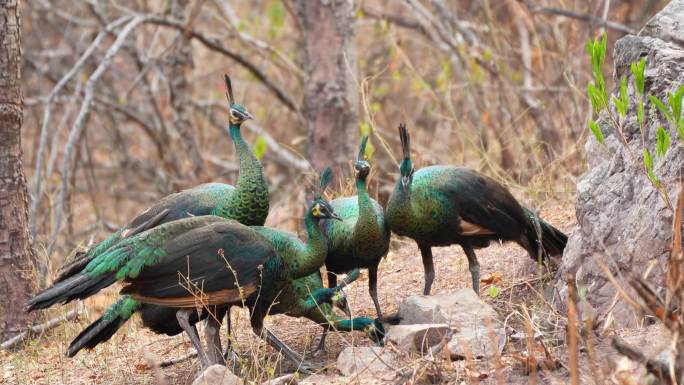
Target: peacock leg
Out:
[332,279]
[183,317]
[473,266]
[341,304]
[321,344]
[373,288]
[428,266]
[211,335]
[290,354]
[229,343]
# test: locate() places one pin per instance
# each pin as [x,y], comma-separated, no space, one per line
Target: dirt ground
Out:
[133,354]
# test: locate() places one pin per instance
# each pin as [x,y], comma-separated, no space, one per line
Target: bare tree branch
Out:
[47,117]
[78,125]
[215,45]
[580,16]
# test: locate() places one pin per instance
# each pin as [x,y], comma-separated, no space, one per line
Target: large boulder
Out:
[623,222]
[476,330]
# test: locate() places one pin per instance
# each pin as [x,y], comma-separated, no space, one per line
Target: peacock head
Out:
[406,165]
[373,329]
[362,166]
[320,208]
[238,112]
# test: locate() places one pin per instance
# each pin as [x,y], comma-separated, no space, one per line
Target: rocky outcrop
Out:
[475,328]
[623,222]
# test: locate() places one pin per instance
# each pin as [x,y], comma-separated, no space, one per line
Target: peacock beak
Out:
[248,116]
[335,216]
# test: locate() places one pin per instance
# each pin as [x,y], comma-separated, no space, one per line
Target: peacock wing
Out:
[485,207]
[215,264]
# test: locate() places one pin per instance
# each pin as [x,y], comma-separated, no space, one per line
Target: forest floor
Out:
[131,355]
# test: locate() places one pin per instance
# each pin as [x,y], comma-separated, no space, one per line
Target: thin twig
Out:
[37,329]
[572,329]
[78,125]
[47,113]
[581,16]
[215,44]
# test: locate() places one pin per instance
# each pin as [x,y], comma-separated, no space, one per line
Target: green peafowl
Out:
[160,317]
[445,205]
[247,202]
[362,238]
[306,297]
[205,261]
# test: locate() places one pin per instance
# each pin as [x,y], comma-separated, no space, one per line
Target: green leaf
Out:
[662,141]
[676,102]
[493,291]
[596,130]
[648,159]
[624,102]
[597,97]
[276,14]
[680,130]
[638,72]
[661,106]
[640,111]
[260,147]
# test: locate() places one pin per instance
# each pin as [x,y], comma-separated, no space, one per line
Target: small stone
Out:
[217,375]
[373,361]
[419,337]
[477,330]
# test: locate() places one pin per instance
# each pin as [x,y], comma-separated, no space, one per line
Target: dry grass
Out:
[122,359]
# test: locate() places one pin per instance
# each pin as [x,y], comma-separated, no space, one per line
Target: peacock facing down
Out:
[247,202]
[445,205]
[362,238]
[305,297]
[163,318]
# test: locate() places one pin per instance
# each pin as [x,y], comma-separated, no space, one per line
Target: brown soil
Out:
[128,357]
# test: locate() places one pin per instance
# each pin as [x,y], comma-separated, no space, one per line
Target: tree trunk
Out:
[16,250]
[180,61]
[330,104]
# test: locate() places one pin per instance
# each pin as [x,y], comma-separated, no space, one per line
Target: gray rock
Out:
[324,379]
[419,337]
[367,361]
[469,318]
[217,375]
[623,221]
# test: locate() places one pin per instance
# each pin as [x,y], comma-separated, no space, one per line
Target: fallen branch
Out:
[37,329]
[177,360]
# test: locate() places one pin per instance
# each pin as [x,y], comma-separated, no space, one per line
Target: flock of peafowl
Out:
[196,253]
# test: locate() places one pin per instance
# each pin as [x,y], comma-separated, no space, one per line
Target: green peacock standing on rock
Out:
[362,238]
[445,205]
[246,203]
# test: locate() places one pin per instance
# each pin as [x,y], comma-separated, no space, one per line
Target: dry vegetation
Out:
[494,85]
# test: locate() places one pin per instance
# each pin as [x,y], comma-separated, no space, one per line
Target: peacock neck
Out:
[315,250]
[250,205]
[367,219]
[347,325]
